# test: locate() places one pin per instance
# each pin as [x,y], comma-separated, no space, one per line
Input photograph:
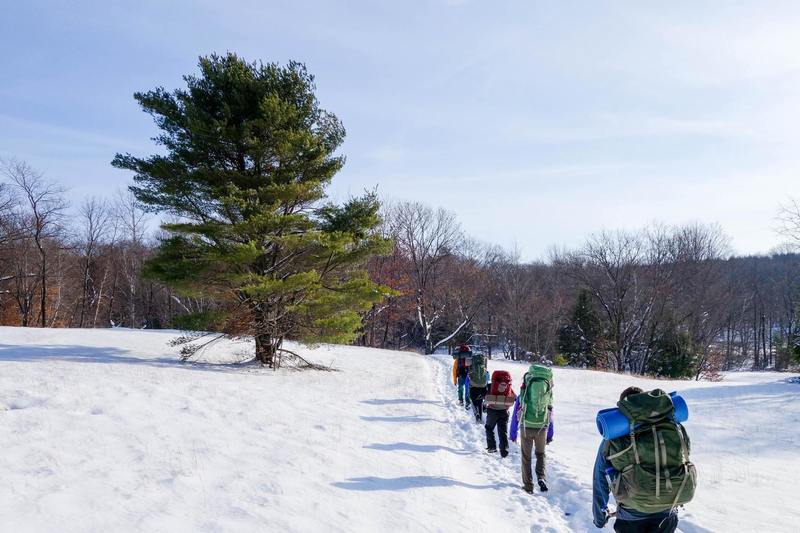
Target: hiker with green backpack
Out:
[534,415]
[478,383]
[648,470]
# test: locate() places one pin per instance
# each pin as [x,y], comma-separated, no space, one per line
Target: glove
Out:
[602,524]
[549,441]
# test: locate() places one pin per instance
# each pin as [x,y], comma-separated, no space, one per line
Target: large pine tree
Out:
[248,155]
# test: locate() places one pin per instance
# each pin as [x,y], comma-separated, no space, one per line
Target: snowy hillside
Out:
[104,430]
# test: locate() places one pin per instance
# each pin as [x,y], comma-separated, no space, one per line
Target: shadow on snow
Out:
[402,419]
[407,446]
[101,355]
[372,483]
[401,401]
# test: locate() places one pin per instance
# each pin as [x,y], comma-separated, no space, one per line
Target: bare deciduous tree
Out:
[41,218]
[132,221]
[95,217]
[789,219]
[427,237]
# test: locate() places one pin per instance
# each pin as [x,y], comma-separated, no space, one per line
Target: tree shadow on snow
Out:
[400,401]
[97,355]
[401,419]
[407,446]
[372,483]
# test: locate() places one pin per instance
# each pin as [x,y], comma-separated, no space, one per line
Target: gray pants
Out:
[530,440]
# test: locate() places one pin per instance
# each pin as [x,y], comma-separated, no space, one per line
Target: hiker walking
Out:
[501,396]
[649,470]
[533,413]
[461,361]
[478,381]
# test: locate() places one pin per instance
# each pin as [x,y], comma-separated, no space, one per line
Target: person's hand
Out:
[549,440]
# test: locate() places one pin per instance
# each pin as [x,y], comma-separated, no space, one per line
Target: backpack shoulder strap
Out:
[606,446]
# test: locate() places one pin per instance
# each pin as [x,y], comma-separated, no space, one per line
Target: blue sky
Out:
[537,122]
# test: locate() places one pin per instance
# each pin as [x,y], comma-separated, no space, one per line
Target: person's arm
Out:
[600,490]
[550,429]
[512,431]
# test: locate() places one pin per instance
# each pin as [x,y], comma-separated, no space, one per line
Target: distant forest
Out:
[667,301]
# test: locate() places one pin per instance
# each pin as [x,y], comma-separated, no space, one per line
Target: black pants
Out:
[497,418]
[657,524]
[476,395]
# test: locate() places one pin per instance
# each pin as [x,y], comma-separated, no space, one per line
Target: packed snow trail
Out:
[745,444]
[563,508]
[105,430]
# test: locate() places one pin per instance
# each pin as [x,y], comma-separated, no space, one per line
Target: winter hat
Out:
[463,349]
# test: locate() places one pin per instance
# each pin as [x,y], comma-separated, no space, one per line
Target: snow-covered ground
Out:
[104,430]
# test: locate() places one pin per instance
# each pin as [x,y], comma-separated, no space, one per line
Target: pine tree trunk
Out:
[265,350]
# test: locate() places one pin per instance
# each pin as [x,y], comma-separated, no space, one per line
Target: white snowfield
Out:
[106,431]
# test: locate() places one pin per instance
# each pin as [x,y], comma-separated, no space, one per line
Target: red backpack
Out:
[501,395]
[501,383]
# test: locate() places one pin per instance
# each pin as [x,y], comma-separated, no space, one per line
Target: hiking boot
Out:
[504,453]
[529,490]
[542,485]
[491,450]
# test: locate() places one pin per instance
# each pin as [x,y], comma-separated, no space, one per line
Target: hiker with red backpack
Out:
[647,470]
[461,363]
[533,413]
[501,396]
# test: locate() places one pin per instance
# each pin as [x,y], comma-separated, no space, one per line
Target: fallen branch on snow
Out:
[298,362]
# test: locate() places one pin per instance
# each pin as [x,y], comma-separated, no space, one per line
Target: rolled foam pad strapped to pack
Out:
[612,424]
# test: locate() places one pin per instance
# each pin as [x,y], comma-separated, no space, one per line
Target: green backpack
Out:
[654,471]
[537,397]
[477,371]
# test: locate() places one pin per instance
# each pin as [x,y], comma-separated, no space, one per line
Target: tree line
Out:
[75,266]
[668,301]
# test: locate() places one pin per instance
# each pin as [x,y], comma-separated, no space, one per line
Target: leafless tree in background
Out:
[132,221]
[789,219]
[610,266]
[428,238]
[41,219]
[95,218]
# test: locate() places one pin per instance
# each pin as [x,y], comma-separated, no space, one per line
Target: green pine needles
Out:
[248,155]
